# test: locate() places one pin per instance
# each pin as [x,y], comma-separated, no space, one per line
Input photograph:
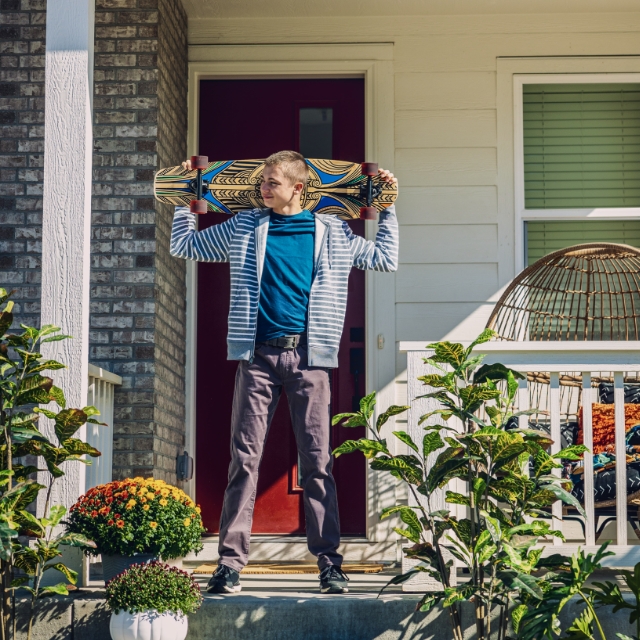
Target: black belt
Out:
[287,342]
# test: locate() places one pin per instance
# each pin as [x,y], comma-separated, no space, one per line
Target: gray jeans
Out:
[258,388]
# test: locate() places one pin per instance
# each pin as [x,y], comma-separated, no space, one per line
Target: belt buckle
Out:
[291,342]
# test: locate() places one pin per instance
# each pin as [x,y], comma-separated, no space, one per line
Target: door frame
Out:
[374,63]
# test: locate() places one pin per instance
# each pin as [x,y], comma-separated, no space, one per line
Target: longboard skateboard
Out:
[345,189]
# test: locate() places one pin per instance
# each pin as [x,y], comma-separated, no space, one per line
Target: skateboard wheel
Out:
[369,168]
[368,213]
[198,206]
[199,162]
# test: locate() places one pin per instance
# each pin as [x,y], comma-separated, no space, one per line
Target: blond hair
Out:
[292,164]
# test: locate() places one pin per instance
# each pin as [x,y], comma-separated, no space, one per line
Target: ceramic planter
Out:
[148,625]
[113,565]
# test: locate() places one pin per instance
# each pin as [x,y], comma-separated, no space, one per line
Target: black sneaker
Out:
[333,580]
[224,580]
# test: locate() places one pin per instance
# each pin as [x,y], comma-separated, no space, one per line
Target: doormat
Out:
[268,568]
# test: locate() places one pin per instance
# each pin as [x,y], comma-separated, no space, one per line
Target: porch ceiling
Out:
[220,9]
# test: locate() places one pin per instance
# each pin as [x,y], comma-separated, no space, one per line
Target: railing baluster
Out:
[621,459]
[587,427]
[523,403]
[554,414]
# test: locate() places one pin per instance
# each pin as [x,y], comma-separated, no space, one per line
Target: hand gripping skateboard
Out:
[346,189]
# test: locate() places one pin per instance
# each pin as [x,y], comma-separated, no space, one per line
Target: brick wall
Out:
[22,40]
[170,318]
[138,290]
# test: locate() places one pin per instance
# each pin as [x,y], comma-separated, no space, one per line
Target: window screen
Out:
[546,237]
[581,145]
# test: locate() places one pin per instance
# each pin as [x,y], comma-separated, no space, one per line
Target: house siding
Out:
[22,42]
[138,292]
[456,252]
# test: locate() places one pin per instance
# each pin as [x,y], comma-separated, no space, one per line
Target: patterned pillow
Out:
[604,425]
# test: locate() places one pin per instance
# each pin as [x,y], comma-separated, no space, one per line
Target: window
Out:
[316,132]
[577,161]
[546,237]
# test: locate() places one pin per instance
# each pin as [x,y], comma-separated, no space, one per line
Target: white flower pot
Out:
[148,625]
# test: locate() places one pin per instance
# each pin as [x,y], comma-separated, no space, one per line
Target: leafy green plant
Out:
[609,594]
[23,383]
[35,561]
[153,586]
[507,499]
[566,578]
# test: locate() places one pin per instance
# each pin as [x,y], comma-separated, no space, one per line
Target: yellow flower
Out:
[133,490]
[165,492]
[146,507]
[153,525]
[150,496]
[198,510]
[143,500]
[131,504]
[164,502]
[187,522]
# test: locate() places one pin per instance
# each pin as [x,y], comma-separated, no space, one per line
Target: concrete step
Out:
[288,608]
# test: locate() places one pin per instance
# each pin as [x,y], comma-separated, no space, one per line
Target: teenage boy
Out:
[289,275]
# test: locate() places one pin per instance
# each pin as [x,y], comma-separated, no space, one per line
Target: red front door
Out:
[252,119]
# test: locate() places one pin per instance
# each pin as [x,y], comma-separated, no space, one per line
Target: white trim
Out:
[535,346]
[523,214]
[599,355]
[191,364]
[373,62]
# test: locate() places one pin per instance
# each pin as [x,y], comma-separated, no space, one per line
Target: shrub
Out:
[143,587]
[138,516]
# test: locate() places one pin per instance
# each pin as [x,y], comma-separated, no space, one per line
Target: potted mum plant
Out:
[151,601]
[137,520]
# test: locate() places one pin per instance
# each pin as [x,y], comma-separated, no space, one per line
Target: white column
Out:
[66,219]
[556,436]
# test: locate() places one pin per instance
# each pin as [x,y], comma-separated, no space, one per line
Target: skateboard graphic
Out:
[346,189]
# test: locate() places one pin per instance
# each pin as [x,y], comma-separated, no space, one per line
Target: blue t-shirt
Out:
[286,276]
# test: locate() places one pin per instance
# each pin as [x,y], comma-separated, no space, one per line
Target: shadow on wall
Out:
[457,322]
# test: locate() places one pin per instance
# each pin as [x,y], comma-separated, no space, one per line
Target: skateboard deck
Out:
[228,186]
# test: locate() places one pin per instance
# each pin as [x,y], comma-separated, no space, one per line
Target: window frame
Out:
[524,215]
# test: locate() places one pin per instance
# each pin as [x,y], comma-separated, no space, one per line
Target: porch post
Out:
[66,216]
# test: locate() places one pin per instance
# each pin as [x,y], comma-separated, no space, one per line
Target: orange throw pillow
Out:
[603,422]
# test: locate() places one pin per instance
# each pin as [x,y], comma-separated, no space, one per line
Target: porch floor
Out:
[306,585]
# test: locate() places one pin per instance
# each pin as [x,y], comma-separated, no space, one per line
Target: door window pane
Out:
[316,132]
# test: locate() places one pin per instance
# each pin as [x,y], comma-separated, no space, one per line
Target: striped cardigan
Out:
[241,240]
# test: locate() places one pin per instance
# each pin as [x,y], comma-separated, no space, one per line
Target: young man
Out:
[289,275]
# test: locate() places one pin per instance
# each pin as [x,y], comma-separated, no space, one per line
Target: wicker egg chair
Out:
[585,292]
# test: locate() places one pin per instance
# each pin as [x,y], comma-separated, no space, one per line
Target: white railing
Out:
[100,395]
[584,362]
